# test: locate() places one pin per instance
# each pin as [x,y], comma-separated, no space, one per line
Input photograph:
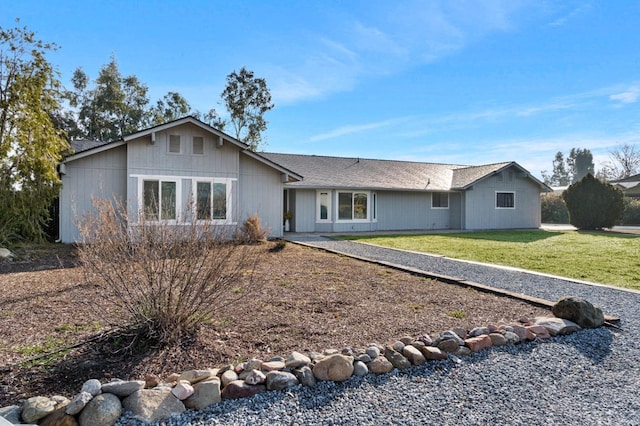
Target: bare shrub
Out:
[252,230]
[164,279]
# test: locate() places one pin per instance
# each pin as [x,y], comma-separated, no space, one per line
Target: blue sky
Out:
[464,82]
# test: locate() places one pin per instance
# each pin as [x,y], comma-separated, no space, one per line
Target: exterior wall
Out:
[480,203]
[261,191]
[102,175]
[147,159]
[410,210]
[304,211]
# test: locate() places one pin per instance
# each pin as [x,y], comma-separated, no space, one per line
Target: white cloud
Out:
[352,129]
[629,96]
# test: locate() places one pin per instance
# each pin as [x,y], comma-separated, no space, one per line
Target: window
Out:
[174,144]
[505,200]
[211,200]
[353,206]
[324,206]
[159,200]
[198,145]
[439,200]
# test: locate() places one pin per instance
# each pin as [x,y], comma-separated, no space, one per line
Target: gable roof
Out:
[348,172]
[84,148]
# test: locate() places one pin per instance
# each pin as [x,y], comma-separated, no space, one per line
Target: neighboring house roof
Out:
[83,145]
[343,172]
[631,182]
[634,178]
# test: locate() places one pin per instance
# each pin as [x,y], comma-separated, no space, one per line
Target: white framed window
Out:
[174,144]
[197,145]
[439,200]
[159,198]
[323,210]
[505,200]
[212,199]
[353,206]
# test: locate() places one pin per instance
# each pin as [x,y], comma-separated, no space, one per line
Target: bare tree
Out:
[624,162]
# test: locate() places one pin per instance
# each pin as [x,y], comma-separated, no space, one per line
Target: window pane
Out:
[324,206]
[505,199]
[150,190]
[168,200]
[374,205]
[203,200]
[219,201]
[174,144]
[440,199]
[345,208]
[360,205]
[198,145]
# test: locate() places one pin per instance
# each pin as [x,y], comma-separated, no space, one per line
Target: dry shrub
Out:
[164,279]
[252,230]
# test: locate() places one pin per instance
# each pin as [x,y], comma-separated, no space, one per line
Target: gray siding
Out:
[481,211]
[102,175]
[409,210]
[304,213]
[261,191]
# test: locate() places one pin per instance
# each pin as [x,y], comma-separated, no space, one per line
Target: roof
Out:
[631,179]
[348,172]
[84,145]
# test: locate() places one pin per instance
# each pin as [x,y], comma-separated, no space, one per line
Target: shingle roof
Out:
[84,145]
[343,172]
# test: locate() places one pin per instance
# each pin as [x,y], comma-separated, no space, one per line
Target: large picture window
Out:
[440,200]
[505,200]
[353,206]
[159,199]
[212,198]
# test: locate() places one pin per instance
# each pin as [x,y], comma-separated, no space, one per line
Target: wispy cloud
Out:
[358,128]
[629,96]
[570,15]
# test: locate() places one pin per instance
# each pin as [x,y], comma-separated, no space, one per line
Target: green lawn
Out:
[602,257]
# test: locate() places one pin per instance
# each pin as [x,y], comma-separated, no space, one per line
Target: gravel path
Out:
[587,378]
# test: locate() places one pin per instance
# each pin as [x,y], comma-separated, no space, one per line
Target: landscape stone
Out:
[433,353]
[78,403]
[172,378]
[122,388]
[60,401]
[398,346]
[498,339]
[228,377]
[425,338]
[380,365]
[414,355]
[37,407]
[364,358]
[150,405]
[460,332]
[557,326]
[479,343]
[255,377]
[523,333]
[195,376]
[539,331]
[204,394]
[59,418]
[273,365]
[511,337]
[373,351]
[279,380]
[580,311]
[449,345]
[462,351]
[253,364]
[478,331]
[241,389]
[328,352]
[153,380]
[182,390]
[297,360]
[11,413]
[396,359]
[336,368]
[103,410]
[449,335]
[305,376]
[407,340]
[92,386]
[360,368]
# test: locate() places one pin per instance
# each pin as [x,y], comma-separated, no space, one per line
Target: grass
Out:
[602,257]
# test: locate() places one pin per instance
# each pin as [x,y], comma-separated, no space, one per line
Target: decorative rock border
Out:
[155,399]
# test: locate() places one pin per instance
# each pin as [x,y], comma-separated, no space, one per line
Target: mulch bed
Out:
[308,300]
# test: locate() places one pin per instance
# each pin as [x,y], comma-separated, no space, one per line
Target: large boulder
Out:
[336,368]
[37,407]
[150,405]
[104,410]
[556,326]
[578,310]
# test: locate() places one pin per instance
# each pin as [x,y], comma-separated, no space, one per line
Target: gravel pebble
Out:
[590,377]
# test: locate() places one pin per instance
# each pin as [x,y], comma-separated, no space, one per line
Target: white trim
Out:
[160,179]
[440,208]
[504,208]
[229,207]
[329,210]
[368,219]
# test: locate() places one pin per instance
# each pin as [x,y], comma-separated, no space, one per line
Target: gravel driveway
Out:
[587,378]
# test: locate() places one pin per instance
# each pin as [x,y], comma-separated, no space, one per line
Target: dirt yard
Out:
[308,300]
